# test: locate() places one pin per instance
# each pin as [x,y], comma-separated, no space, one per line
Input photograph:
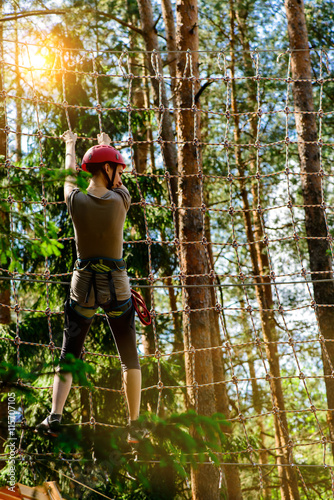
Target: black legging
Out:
[122,327]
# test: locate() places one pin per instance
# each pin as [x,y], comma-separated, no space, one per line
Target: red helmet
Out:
[101,153]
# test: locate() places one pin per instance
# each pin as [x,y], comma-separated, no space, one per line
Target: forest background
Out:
[219,183]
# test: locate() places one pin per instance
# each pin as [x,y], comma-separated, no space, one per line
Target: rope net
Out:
[247,171]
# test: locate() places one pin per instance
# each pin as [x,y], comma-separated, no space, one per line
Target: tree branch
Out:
[20,15]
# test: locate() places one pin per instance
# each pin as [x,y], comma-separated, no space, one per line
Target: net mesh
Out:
[249,152]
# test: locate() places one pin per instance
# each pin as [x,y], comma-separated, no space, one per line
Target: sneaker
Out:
[136,434]
[50,425]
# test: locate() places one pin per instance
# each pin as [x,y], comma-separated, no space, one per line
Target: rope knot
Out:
[151,278]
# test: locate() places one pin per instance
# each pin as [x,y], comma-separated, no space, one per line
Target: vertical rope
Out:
[230,348]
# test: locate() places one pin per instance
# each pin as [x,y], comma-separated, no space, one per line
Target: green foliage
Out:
[172,445]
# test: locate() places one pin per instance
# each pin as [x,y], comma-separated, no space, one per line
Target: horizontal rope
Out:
[124,52]
[204,285]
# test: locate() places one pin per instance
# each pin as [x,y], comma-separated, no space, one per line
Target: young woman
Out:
[99,276]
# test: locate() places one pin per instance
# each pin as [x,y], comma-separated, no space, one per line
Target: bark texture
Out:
[232,482]
[153,62]
[4,223]
[193,260]
[260,267]
[167,13]
[4,220]
[315,221]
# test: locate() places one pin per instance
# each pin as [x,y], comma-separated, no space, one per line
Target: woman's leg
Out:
[132,386]
[76,327]
[124,332]
[62,383]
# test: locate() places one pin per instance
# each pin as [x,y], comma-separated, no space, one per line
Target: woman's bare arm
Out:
[70,164]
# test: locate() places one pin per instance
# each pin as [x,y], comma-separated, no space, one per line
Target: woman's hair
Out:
[95,168]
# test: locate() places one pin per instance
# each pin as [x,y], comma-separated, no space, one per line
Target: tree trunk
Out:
[141,130]
[167,13]
[232,477]
[256,397]
[4,227]
[159,92]
[19,92]
[315,212]
[259,259]
[193,260]
[4,219]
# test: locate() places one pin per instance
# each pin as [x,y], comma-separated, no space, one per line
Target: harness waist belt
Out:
[99,265]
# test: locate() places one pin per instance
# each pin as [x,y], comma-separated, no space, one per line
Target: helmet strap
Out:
[110,182]
[113,176]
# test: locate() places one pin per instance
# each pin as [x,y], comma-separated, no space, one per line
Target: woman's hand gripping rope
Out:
[141,309]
